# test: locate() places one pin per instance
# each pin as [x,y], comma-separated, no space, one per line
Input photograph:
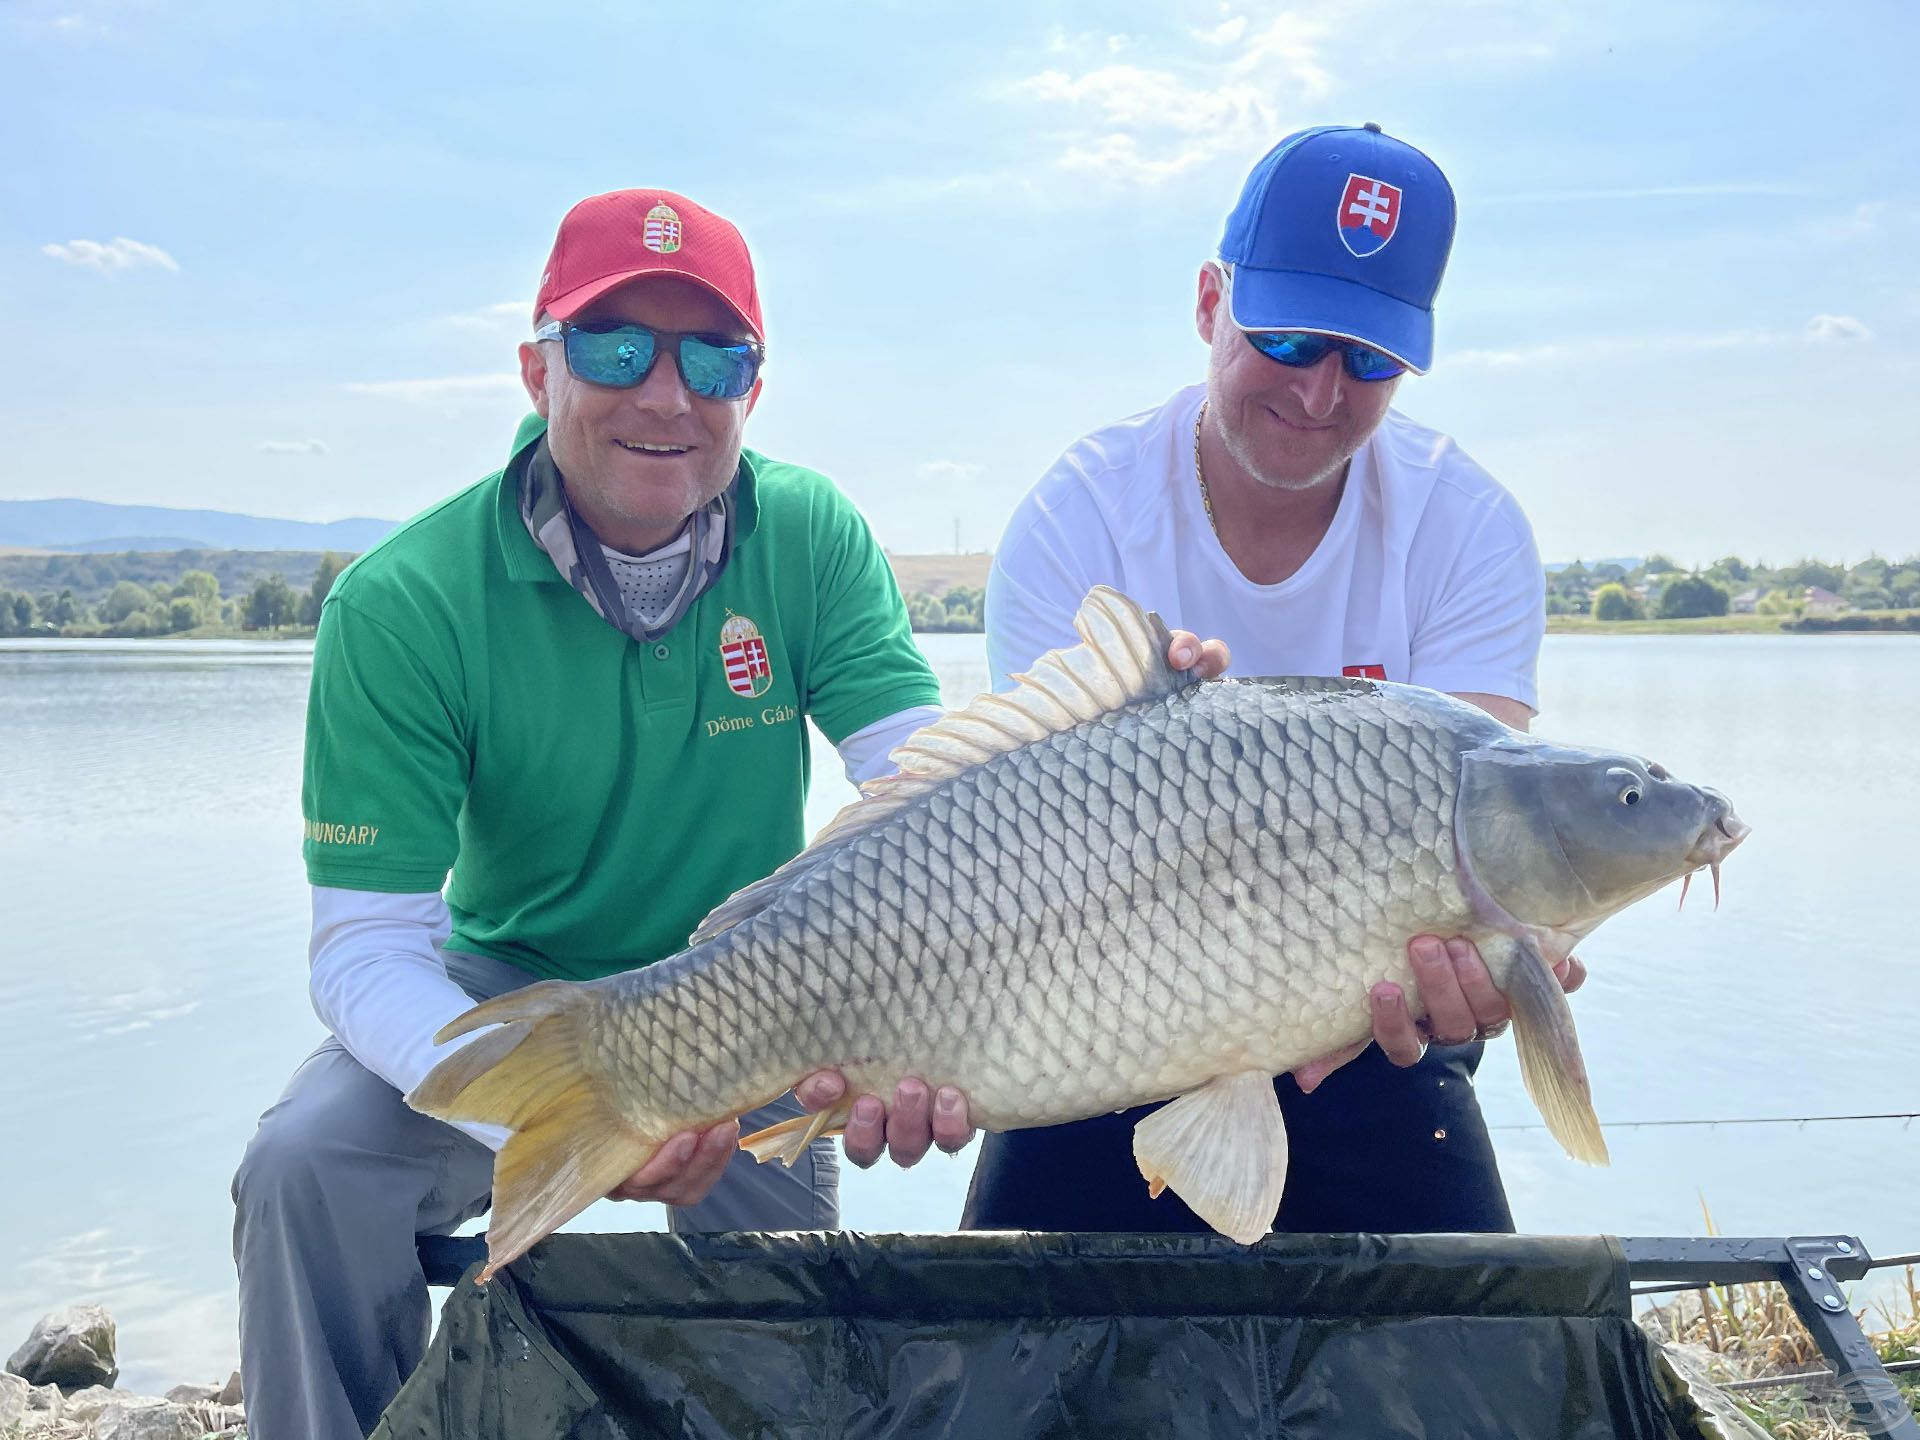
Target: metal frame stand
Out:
[1809,1268]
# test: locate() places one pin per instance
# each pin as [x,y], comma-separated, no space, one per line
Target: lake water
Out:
[153,937]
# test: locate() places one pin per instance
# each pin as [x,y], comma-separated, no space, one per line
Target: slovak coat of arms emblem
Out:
[1369,214]
[661,233]
[743,651]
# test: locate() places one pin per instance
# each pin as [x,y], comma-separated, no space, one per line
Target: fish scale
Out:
[1346,886]
[1114,885]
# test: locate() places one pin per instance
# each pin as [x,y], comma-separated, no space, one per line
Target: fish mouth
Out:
[1719,838]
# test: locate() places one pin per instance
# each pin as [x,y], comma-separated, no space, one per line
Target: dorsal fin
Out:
[1121,659]
[1307,684]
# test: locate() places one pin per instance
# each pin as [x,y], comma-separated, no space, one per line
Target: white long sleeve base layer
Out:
[377,980]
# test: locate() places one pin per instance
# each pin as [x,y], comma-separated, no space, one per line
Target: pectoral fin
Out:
[1223,1150]
[1550,1063]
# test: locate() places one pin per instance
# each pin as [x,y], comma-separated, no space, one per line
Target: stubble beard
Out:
[1250,462]
[626,513]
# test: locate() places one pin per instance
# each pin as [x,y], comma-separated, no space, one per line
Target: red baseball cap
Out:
[607,240]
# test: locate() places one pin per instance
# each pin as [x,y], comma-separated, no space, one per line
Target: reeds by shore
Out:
[1750,1331]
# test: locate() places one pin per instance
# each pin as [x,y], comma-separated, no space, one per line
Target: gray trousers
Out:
[336,1183]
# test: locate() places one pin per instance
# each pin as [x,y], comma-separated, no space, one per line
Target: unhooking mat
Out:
[838,1336]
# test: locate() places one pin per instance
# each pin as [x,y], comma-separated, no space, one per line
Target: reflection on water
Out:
[153,940]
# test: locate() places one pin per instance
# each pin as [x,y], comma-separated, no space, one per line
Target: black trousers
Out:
[1375,1148]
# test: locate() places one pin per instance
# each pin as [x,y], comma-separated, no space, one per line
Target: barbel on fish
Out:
[1111,885]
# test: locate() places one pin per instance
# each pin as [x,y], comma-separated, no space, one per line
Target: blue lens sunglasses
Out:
[1305,347]
[622,356]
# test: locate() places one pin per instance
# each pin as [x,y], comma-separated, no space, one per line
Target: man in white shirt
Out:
[1283,507]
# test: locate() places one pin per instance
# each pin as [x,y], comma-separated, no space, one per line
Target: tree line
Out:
[91,575]
[963,608]
[194,590]
[1658,589]
[192,602]
[1652,589]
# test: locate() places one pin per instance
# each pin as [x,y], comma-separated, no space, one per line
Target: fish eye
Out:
[1630,789]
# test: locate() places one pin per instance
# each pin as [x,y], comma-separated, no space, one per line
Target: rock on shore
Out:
[59,1385]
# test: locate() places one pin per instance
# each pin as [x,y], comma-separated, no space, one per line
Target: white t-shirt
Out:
[1428,571]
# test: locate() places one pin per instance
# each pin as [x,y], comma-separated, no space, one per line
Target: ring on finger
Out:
[1427,1036]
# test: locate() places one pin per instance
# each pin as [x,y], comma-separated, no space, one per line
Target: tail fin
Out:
[570,1145]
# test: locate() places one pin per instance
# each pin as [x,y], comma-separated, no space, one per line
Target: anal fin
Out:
[1223,1150]
[1550,1062]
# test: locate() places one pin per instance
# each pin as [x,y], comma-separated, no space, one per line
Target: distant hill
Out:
[90,526]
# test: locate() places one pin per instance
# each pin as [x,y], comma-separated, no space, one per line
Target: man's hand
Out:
[1460,999]
[684,1169]
[1188,651]
[916,1121]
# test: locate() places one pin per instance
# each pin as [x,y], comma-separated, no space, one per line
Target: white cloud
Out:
[949,472]
[72,25]
[1227,32]
[1710,190]
[1455,36]
[444,390]
[1228,90]
[1611,347]
[112,257]
[1837,329]
[494,317]
[293,447]
[1826,329]
[1141,125]
[1120,158]
[1868,220]
[1863,222]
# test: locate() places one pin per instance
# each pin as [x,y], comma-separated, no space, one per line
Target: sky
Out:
[276,259]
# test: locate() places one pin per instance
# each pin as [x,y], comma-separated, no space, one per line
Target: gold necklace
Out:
[1206,496]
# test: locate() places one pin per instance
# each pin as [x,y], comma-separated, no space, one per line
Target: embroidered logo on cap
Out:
[744,653]
[1369,214]
[662,231]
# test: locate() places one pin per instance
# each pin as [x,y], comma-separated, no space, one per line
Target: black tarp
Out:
[1015,1336]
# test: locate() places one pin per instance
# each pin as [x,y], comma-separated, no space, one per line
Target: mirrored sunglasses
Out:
[1305,347]
[620,357]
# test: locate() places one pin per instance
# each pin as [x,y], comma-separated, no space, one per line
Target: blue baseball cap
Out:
[1343,231]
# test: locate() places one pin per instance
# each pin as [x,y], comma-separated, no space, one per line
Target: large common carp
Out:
[1113,884]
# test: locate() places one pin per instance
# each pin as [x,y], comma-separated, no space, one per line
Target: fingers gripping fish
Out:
[1112,885]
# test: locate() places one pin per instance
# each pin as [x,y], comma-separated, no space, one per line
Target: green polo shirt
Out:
[593,797]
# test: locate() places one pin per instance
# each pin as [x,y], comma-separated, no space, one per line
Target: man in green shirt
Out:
[580,690]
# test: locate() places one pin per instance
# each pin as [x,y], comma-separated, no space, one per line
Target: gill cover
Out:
[1505,836]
